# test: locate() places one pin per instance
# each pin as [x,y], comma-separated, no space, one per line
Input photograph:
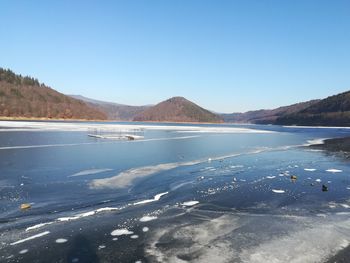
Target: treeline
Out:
[332,111]
[13,78]
[26,97]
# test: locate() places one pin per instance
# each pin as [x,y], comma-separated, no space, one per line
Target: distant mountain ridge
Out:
[113,111]
[266,116]
[331,111]
[177,109]
[25,97]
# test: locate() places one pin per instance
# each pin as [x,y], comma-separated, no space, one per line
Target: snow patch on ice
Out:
[334,170]
[91,171]
[38,226]
[147,218]
[190,203]
[61,240]
[156,198]
[30,238]
[121,232]
[278,191]
[309,169]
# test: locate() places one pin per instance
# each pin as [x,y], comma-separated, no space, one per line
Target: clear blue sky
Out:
[224,55]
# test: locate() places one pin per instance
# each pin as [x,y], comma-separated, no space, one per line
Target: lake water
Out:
[182,193]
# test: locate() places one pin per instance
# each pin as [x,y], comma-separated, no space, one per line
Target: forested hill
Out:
[331,111]
[23,96]
[177,109]
[266,116]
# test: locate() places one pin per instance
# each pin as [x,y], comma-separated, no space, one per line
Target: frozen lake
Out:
[181,193]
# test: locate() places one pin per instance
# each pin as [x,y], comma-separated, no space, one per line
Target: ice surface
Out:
[74,126]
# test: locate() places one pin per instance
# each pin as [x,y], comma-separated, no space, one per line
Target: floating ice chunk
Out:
[309,169]
[156,198]
[145,229]
[345,205]
[23,251]
[134,236]
[270,177]
[278,191]
[121,232]
[115,239]
[30,238]
[147,218]
[334,171]
[61,240]
[91,171]
[318,180]
[101,247]
[190,203]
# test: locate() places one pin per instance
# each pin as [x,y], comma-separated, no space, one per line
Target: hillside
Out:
[266,116]
[27,98]
[177,109]
[332,111]
[114,111]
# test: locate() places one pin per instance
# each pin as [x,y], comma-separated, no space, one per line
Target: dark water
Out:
[174,196]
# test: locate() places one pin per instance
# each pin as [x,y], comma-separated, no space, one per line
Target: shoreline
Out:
[339,145]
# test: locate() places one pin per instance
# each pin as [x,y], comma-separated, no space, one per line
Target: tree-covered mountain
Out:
[114,111]
[177,109]
[266,116]
[26,97]
[331,111]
